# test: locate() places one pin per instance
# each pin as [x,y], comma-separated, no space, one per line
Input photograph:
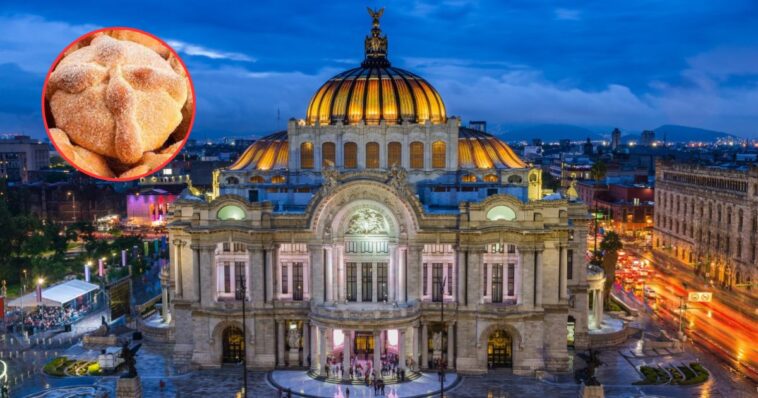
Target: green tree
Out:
[610,247]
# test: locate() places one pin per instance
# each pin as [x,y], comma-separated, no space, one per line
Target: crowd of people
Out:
[44,318]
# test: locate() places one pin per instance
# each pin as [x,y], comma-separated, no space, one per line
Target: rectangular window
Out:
[381,283]
[372,155]
[570,264]
[424,280]
[497,283]
[511,249]
[352,282]
[227,277]
[450,279]
[511,280]
[226,246]
[366,282]
[239,279]
[285,279]
[437,282]
[328,154]
[297,281]
[350,155]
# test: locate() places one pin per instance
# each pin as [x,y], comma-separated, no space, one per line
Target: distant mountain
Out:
[677,133]
[546,132]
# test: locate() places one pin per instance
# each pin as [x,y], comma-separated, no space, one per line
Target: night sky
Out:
[632,64]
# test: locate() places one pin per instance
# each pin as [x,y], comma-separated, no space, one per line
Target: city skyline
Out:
[633,66]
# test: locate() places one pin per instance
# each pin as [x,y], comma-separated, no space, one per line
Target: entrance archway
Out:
[233,345]
[500,349]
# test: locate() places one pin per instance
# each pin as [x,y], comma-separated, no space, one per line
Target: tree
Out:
[610,247]
[598,171]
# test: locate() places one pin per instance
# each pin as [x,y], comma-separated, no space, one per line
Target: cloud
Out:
[200,51]
[32,42]
[566,14]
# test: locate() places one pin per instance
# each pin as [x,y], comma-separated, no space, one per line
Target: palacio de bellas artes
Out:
[378,227]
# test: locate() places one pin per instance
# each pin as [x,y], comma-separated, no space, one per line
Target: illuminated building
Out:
[352,227]
[148,207]
[707,217]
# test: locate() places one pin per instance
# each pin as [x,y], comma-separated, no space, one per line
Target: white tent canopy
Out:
[57,295]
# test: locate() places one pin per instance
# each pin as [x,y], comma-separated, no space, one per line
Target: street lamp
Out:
[241,295]
[73,197]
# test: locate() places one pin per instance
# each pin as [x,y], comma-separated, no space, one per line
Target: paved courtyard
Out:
[617,374]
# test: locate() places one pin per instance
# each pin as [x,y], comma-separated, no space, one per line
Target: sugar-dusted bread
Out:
[81,157]
[117,98]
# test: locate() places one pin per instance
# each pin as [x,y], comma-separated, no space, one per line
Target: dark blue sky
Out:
[633,64]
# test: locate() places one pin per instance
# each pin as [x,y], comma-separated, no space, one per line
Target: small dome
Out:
[376,92]
[266,153]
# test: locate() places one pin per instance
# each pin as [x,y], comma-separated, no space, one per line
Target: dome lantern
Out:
[376,92]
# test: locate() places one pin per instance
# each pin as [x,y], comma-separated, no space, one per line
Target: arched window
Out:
[256,179]
[501,213]
[394,154]
[232,181]
[490,178]
[328,154]
[278,179]
[231,212]
[468,178]
[417,155]
[306,155]
[438,154]
[350,154]
[372,155]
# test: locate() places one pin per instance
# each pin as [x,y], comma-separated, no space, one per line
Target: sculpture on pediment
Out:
[398,178]
[366,222]
[329,180]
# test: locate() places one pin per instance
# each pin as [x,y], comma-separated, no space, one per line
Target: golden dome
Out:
[476,150]
[269,152]
[376,92]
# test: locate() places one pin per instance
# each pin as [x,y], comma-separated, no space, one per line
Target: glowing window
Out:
[230,212]
[438,154]
[372,155]
[278,179]
[256,179]
[338,337]
[328,154]
[306,155]
[350,154]
[417,155]
[501,213]
[394,154]
[468,178]
[490,178]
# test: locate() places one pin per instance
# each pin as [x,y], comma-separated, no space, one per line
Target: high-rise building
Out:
[647,138]
[20,155]
[615,139]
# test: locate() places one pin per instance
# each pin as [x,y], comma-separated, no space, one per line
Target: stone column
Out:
[460,259]
[377,354]
[280,343]
[401,348]
[178,282]
[451,344]
[322,350]
[358,282]
[314,347]
[347,352]
[526,287]
[413,272]
[340,261]
[255,282]
[539,275]
[474,282]
[563,292]
[599,308]
[317,273]
[392,274]
[329,275]
[401,274]
[272,273]
[208,275]
[415,342]
[306,343]
[164,300]
[424,346]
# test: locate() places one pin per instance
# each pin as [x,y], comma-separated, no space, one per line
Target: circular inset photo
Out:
[118,104]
